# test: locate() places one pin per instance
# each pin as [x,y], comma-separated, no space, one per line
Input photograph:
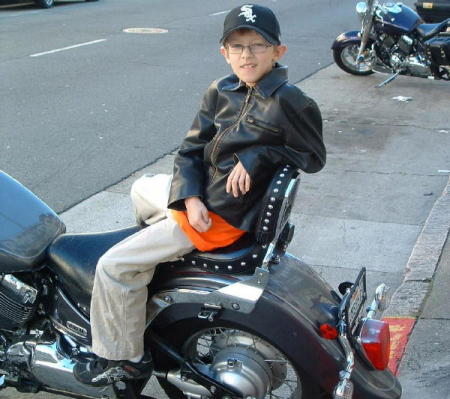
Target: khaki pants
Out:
[118,305]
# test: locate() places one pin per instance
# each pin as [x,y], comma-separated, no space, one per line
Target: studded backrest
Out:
[277,204]
[247,253]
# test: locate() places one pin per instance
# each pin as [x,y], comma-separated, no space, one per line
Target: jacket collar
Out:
[266,86]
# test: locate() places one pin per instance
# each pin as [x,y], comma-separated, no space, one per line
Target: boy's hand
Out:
[197,214]
[239,180]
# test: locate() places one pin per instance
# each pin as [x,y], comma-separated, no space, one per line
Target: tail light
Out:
[376,341]
[328,331]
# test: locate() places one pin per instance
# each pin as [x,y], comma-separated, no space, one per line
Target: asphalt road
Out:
[76,121]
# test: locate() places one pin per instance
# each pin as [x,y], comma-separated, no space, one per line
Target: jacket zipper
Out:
[219,138]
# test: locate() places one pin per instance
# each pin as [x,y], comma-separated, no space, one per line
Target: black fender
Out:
[349,37]
[293,306]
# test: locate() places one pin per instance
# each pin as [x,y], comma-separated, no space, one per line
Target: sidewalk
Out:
[388,166]
[425,369]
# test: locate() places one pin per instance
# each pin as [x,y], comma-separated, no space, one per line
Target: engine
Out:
[405,55]
[17,302]
[33,354]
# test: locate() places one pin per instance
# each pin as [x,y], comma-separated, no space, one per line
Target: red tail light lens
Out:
[376,341]
[328,331]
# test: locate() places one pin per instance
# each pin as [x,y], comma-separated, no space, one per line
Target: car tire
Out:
[45,3]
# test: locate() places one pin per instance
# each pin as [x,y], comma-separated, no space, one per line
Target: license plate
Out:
[355,301]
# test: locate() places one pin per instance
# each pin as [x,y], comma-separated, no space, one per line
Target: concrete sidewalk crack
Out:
[330,119]
[391,173]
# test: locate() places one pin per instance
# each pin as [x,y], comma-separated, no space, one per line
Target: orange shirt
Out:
[220,234]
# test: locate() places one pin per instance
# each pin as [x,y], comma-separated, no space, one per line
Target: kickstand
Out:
[388,80]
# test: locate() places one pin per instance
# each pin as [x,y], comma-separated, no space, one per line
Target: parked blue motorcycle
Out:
[394,40]
[246,321]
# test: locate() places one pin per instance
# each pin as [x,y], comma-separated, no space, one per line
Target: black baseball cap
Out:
[255,17]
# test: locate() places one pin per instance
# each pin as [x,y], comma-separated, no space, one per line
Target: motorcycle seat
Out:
[427,31]
[73,257]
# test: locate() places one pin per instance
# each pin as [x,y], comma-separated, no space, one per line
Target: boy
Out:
[249,123]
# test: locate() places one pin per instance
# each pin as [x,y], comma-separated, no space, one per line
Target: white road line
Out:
[218,13]
[67,48]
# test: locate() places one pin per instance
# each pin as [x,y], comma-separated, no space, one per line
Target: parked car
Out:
[49,3]
[435,11]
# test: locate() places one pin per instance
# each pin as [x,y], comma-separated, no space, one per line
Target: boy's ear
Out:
[224,52]
[280,51]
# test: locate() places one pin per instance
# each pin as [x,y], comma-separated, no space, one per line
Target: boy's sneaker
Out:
[100,371]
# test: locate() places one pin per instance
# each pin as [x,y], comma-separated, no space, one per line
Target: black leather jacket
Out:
[266,126]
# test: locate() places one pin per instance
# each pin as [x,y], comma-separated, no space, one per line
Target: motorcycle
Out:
[394,40]
[246,321]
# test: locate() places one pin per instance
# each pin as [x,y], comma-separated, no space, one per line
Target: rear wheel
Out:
[346,56]
[248,362]
[45,3]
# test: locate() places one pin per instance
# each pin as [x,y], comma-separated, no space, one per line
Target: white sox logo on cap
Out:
[247,13]
[254,17]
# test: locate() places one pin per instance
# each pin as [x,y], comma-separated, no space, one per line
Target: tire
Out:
[345,58]
[45,3]
[88,1]
[189,336]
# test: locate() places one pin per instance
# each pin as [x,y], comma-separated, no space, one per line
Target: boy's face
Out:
[250,66]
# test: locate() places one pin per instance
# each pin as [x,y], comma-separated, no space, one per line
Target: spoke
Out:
[253,341]
[205,340]
[203,345]
[227,334]
[288,383]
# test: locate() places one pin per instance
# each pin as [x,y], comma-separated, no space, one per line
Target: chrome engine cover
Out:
[53,368]
[417,66]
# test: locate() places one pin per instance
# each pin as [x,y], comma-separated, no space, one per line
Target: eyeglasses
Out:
[257,48]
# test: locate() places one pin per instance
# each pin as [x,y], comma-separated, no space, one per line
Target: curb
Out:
[409,299]
[400,329]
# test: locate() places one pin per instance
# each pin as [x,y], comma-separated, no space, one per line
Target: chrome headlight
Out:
[361,9]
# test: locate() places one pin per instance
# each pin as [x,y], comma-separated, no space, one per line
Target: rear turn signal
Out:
[328,331]
[376,341]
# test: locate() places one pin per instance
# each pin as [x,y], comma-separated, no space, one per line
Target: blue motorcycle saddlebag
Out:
[438,49]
